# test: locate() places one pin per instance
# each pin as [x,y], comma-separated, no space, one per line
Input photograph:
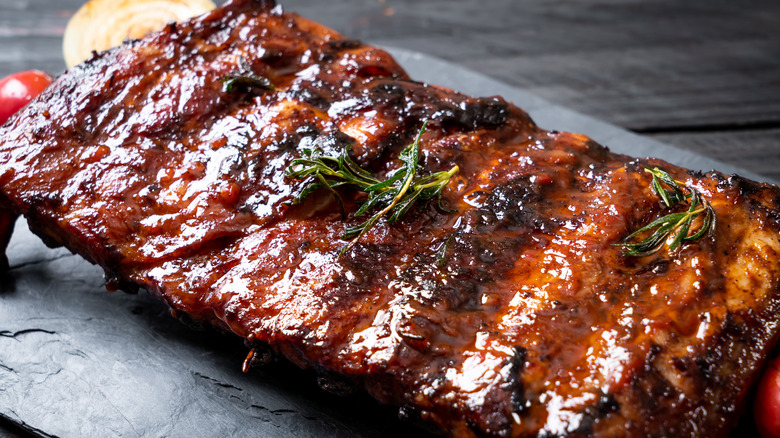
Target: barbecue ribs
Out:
[514,316]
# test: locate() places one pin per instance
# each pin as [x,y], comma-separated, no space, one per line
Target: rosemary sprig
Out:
[392,197]
[246,78]
[675,225]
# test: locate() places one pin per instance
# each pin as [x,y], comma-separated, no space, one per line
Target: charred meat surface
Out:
[515,316]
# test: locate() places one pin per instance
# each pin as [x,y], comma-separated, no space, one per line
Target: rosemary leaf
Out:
[672,196]
[391,198]
[246,78]
[441,254]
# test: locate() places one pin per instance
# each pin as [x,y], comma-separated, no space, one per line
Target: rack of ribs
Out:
[517,315]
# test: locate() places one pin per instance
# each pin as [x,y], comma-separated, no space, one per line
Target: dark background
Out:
[702,75]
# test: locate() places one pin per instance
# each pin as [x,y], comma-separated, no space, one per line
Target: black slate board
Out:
[78,361]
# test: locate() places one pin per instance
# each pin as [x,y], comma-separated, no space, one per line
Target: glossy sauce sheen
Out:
[515,316]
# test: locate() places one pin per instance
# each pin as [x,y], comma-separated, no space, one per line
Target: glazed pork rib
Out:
[514,316]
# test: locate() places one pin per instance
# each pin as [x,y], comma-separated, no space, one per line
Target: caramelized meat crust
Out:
[515,316]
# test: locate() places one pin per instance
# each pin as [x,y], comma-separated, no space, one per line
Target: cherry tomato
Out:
[767,404]
[18,89]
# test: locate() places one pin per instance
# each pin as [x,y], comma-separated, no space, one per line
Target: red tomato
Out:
[767,404]
[18,89]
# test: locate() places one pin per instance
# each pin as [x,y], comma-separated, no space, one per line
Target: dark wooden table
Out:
[703,75]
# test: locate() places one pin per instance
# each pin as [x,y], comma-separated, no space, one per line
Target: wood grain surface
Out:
[703,75]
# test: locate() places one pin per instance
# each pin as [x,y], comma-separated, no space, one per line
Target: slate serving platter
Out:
[76,360]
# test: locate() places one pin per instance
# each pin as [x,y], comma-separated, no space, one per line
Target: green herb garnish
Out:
[246,78]
[675,225]
[392,197]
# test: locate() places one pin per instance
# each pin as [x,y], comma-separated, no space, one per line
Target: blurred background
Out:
[703,75]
